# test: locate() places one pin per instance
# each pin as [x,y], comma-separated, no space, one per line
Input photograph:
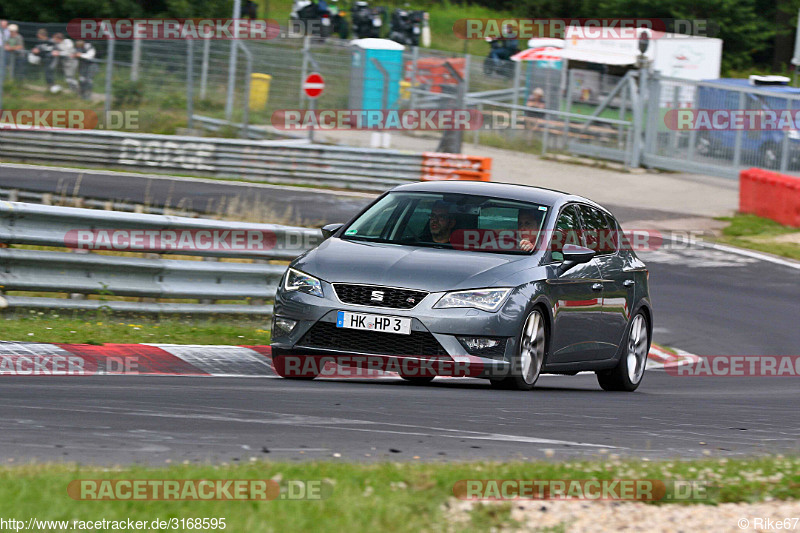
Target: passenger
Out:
[529,221]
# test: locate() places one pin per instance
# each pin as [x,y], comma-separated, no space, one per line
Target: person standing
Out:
[63,52]
[42,50]
[14,47]
[87,67]
[4,33]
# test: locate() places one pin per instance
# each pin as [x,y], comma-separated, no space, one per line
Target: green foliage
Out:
[65,10]
[127,93]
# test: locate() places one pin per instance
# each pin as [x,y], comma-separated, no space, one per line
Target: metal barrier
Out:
[33,270]
[261,161]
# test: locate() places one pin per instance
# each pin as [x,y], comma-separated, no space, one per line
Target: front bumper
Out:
[443,325]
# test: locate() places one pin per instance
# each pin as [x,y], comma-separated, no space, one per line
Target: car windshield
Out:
[445,220]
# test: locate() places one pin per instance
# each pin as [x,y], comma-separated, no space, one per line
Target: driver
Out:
[528,223]
[441,223]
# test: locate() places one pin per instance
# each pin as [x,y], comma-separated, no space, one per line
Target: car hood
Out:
[430,269]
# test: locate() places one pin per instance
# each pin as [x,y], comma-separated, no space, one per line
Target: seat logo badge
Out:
[377,296]
[410,299]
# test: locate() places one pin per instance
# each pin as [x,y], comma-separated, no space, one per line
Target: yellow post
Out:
[259,91]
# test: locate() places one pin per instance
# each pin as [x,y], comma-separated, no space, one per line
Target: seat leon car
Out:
[489,280]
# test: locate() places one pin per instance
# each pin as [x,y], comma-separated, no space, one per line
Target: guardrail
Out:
[261,161]
[99,276]
[49,198]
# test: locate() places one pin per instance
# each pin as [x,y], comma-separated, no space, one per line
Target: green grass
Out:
[100,327]
[758,233]
[371,497]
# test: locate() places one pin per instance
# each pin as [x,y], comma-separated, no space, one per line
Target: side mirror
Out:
[574,255]
[577,254]
[330,229]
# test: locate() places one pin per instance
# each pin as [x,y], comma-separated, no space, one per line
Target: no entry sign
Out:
[314,85]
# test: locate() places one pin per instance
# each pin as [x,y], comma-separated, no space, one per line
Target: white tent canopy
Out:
[597,56]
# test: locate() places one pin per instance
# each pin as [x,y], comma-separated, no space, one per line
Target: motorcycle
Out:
[498,61]
[406,26]
[367,21]
[311,18]
[339,18]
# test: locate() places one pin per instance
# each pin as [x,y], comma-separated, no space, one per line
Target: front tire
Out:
[527,366]
[295,369]
[629,372]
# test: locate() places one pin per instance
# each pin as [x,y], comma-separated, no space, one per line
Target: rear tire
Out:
[527,366]
[629,372]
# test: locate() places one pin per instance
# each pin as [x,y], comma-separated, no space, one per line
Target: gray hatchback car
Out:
[505,281]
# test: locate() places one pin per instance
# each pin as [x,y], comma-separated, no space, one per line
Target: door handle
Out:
[628,283]
[597,287]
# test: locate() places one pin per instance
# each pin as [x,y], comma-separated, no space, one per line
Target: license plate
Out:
[326,22]
[385,324]
[416,30]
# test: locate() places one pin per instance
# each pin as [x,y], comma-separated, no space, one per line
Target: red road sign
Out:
[314,85]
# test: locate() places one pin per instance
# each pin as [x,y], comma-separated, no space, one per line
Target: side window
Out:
[567,231]
[614,233]
[598,233]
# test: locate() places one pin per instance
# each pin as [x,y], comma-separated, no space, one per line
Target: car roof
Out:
[510,191]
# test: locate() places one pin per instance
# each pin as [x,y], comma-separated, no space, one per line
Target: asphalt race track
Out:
[707,302]
[116,419]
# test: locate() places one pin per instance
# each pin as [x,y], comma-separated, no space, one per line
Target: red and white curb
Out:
[32,358]
[659,358]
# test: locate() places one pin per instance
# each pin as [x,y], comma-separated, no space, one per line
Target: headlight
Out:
[300,281]
[486,299]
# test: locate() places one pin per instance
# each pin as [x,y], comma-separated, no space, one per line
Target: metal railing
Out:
[100,276]
[261,161]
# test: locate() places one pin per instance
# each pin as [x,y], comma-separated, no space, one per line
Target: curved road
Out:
[707,301]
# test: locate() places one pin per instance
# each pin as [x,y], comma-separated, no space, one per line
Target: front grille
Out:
[326,336]
[378,296]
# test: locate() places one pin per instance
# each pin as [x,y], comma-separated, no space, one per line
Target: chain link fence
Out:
[534,106]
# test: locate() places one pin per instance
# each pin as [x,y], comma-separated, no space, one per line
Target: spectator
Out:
[251,9]
[43,49]
[87,67]
[535,101]
[14,46]
[63,52]
[4,33]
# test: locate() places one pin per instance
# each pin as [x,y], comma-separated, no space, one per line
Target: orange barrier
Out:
[770,195]
[432,73]
[438,166]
